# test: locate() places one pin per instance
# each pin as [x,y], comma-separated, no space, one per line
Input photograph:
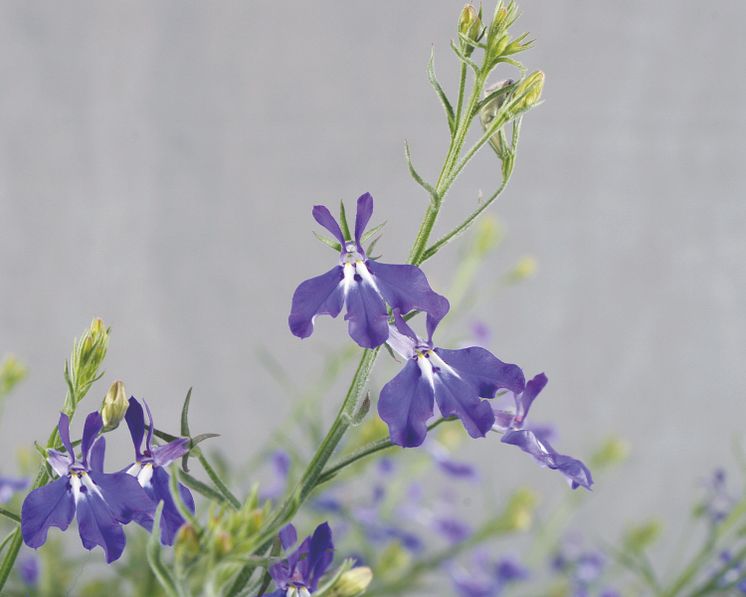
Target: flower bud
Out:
[490,110]
[186,544]
[12,372]
[470,23]
[353,582]
[114,406]
[94,343]
[528,92]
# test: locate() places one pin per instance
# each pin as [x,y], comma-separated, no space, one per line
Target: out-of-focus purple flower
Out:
[149,470]
[28,570]
[536,442]
[361,285]
[280,462]
[456,379]
[454,530]
[488,578]
[102,502]
[481,333]
[718,500]
[10,486]
[299,574]
[452,468]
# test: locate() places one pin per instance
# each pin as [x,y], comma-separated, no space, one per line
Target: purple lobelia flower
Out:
[533,442]
[456,379]
[150,473]
[10,486]
[365,287]
[102,502]
[299,574]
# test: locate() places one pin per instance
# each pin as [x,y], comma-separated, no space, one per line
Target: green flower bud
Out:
[470,23]
[94,344]
[489,112]
[528,93]
[115,406]
[12,373]
[186,544]
[352,583]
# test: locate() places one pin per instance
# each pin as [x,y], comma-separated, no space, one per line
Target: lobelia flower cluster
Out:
[104,502]
[379,298]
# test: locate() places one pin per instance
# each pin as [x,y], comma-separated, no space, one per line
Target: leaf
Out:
[439,91]
[372,232]
[328,242]
[201,487]
[418,179]
[185,414]
[343,221]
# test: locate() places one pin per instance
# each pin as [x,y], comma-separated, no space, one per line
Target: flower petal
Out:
[322,295]
[483,370]
[49,506]
[575,471]
[457,397]
[135,418]
[98,526]
[171,519]
[126,500]
[98,452]
[322,215]
[59,461]
[526,398]
[93,425]
[288,536]
[367,315]
[320,556]
[406,404]
[64,429]
[166,454]
[362,216]
[405,287]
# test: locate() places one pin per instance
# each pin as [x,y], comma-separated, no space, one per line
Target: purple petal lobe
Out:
[362,217]
[483,370]
[288,536]
[526,398]
[97,526]
[135,418]
[171,519]
[64,428]
[93,425]
[405,287]
[322,215]
[149,436]
[367,315]
[320,556]
[575,471]
[49,506]
[459,398]
[403,327]
[165,455]
[59,461]
[124,497]
[322,295]
[97,455]
[406,404]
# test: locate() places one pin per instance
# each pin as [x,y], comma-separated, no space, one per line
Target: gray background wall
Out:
[158,161]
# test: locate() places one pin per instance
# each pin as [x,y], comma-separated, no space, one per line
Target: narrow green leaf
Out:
[371,246]
[185,414]
[343,220]
[328,242]
[439,91]
[186,513]
[372,232]
[8,514]
[464,58]
[154,556]
[418,179]
[202,488]
[494,95]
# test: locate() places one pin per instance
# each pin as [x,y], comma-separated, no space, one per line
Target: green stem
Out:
[313,471]
[11,515]
[372,448]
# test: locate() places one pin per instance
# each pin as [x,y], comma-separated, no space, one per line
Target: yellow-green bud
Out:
[186,544]
[352,583]
[12,372]
[115,406]
[95,342]
[528,92]
[490,111]
[469,23]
